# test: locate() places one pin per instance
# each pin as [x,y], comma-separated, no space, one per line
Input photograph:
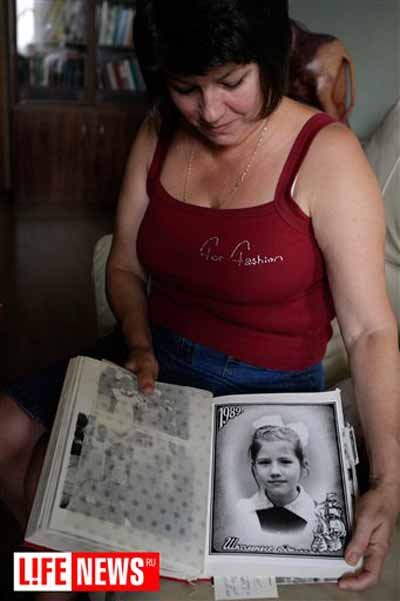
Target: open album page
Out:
[279,486]
[131,471]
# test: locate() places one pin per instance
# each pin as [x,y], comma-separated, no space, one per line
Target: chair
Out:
[321,72]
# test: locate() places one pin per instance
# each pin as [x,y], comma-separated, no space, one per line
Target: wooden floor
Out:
[47,304]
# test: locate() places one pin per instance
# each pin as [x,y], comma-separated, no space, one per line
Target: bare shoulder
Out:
[335,168]
[334,142]
[151,126]
[338,133]
[341,190]
[146,139]
[335,165]
[332,139]
[133,198]
[334,145]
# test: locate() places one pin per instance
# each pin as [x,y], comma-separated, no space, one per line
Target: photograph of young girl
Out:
[276,493]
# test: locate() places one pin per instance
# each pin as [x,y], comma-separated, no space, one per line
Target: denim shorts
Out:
[181,361]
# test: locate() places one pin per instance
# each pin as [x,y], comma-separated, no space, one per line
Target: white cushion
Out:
[383,152]
[105,318]
[335,360]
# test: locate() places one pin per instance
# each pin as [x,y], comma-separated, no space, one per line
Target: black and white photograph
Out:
[99,467]
[118,397]
[129,479]
[278,481]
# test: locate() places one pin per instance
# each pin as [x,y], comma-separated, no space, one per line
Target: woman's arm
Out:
[345,204]
[126,281]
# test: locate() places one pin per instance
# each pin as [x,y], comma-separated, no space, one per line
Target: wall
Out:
[370,29]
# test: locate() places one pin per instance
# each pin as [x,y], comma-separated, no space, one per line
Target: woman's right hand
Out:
[126,278]
[142,362]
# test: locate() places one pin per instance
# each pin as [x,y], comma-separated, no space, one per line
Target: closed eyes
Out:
[229,85]
[268,462]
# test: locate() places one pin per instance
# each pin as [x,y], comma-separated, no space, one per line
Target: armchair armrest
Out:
[105,318]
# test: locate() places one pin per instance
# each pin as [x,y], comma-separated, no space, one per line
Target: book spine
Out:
[104,77]
[104,15]
[122,78]
[111,76]
[117,26]
[133,73]
[121,27]
[128,38]
[141,86]
[119,76]
[128,75]
[111,25]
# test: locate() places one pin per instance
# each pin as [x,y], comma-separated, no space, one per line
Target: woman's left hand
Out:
[375,521]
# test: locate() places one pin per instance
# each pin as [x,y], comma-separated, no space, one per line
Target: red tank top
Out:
[249,282]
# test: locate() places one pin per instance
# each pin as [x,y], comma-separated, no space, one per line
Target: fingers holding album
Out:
[375,522]
[144,365]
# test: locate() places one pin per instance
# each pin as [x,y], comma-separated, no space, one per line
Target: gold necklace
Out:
[242,176]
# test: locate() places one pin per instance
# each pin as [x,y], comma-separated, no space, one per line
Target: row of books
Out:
[115,24]
[121,75]
[55,70]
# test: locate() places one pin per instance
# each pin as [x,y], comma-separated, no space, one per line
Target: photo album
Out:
[256,484]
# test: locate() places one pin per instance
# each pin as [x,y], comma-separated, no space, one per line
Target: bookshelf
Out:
[77,97]
[117,69]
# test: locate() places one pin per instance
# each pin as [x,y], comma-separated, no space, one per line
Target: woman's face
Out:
[277,471]
[222,105]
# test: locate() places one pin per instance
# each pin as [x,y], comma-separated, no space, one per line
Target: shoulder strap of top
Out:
[299,150]
[164,140]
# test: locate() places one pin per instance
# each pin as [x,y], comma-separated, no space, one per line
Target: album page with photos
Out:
[238,484]
[282,487]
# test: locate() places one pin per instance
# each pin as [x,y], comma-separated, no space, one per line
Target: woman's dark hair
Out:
[190,37]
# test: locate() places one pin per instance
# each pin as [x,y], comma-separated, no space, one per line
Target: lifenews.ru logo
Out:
[50,571]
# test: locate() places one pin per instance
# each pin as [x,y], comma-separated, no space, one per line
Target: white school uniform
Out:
[249,529]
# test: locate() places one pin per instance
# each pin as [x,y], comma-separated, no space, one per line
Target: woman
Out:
[257,218]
